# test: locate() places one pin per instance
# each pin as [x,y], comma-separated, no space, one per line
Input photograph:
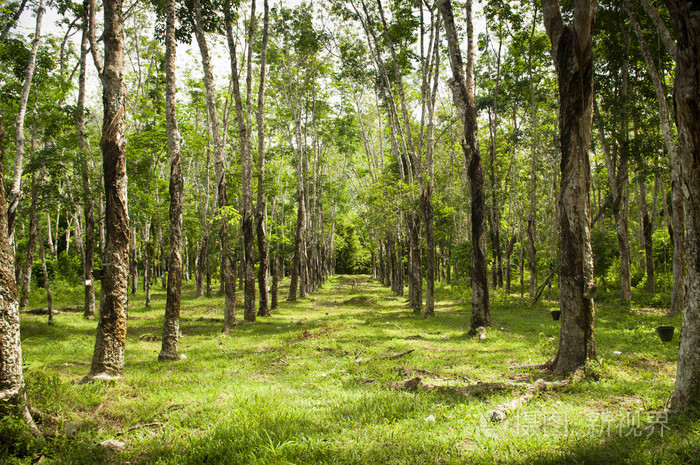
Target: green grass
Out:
[287,389]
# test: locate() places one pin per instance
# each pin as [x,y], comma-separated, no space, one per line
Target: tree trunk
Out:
[686,21]
[171,323]
[33,225]
[12,388]
[108,358]
[244,129]
[133,263]
[463,95]
[572,48]
[261,204]
[647,230]
[227,274]
[299,261]
[47,281]
[532,215]
[678,297]
[16,189]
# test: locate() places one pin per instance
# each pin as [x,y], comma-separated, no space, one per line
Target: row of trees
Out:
[345,126]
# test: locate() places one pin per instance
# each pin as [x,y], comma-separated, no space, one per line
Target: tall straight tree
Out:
[16,189]
[88,208]
[13,396]
[572,51]
[243,117]
[171,324]
[227,273]
[678,296]
[462,88]
[261,204]
[685,16]
[108,358]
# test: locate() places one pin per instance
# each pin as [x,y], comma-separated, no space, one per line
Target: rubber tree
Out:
[572,52]
[171,323]
[108,357]
[462,87]
[685,17]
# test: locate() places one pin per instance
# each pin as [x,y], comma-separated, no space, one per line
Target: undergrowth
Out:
[307,385]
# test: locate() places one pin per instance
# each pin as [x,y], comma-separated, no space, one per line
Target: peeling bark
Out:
[572,51]
[171,323]
[108,357]
[686,22]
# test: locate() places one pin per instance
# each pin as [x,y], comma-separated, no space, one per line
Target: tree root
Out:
[500,413]
[385,357]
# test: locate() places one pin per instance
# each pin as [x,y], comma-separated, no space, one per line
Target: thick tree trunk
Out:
[108,358]
[227,273]
[16,189]
[171,323]
[462,91]
[572,48]
[686,21]
[12,388]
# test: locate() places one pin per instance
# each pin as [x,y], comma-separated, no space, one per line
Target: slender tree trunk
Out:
[647,230]
[33,225]
[299,261]
[678,297]
[16,189]
[462,91]
[532,215]
[261,204]
[171,323]
[572,51]
[685,17]
[227,274]
[133,263]
[89,202]
[47,281]
[108,358]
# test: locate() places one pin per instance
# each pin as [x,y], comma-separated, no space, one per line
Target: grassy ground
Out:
[288,389]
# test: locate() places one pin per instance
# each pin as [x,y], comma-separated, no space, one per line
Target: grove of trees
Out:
[507,147]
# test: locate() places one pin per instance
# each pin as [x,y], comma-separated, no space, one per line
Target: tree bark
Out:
[227,273]
[678,296]
[33,225]
[532,215]
[572,51]
[462,92]
[12,387]
[16,189]
[647,231]
[245,129]
[47,281]
[261,204]
[108,357]
[686,21]
[171,323]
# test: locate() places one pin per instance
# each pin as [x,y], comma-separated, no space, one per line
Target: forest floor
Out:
[313,384]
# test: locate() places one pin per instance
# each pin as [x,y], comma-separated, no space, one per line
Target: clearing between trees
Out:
[353,375]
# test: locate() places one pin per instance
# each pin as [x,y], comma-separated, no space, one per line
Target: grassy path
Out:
[297,387]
